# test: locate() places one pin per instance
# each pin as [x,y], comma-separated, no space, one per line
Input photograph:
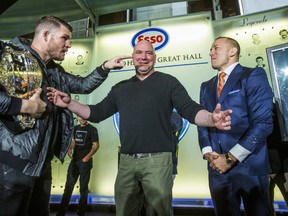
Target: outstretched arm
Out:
[115,63]
[63,100]
[219,119]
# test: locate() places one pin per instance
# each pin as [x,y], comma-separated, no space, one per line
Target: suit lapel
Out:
[230,83]
[212,92]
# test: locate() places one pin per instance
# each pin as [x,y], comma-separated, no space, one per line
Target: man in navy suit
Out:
[237,159]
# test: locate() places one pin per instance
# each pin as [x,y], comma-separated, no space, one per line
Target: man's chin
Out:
[142,70]
[59,58]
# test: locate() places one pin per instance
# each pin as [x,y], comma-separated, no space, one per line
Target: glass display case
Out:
[278,63]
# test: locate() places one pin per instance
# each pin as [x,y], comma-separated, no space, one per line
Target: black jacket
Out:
[29,150]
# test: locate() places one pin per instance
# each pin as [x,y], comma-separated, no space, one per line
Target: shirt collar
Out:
[229,69]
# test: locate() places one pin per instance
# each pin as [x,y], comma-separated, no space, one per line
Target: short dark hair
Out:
[51,22]
[259,57]
[233,42]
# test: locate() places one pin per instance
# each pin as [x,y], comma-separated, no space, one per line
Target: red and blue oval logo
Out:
[185,126]
[157,37]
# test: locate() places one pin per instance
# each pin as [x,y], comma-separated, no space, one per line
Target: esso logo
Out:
[157,37]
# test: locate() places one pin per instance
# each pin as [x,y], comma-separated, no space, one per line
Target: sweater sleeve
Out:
[104,109]
[183,103]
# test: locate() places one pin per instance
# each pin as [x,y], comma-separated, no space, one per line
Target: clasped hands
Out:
[217,162]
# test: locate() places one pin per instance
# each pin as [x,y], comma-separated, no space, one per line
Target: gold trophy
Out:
[20,74]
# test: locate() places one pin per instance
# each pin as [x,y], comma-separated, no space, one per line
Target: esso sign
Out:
[157,37]
[153,39]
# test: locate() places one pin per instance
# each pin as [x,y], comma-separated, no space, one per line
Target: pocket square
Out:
[234,91]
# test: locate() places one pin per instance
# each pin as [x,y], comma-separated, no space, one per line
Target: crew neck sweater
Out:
[145,107]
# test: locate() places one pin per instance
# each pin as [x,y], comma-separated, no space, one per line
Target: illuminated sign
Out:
[157,37]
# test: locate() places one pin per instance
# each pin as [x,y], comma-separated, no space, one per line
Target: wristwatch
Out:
[229,160]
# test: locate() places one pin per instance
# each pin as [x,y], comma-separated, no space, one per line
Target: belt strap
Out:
[142,155]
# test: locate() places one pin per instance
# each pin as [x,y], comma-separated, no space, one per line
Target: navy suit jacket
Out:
[248,93]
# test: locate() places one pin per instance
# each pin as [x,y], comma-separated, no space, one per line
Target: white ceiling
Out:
[20,18]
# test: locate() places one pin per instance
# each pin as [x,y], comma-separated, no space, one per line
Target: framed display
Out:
[278,64]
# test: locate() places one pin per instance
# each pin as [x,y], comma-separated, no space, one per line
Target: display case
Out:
[278,64]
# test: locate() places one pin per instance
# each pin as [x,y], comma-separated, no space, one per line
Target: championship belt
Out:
[20,74]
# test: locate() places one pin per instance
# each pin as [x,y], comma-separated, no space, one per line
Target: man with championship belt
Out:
[32,130]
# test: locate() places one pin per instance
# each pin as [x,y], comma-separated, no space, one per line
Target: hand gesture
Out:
[58,98]
[221,119]
[63,100]
[115,63]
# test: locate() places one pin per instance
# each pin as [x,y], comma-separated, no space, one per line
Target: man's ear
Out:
[233,51]
[45,34]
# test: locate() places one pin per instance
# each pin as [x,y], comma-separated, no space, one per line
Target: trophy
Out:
[20,74]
